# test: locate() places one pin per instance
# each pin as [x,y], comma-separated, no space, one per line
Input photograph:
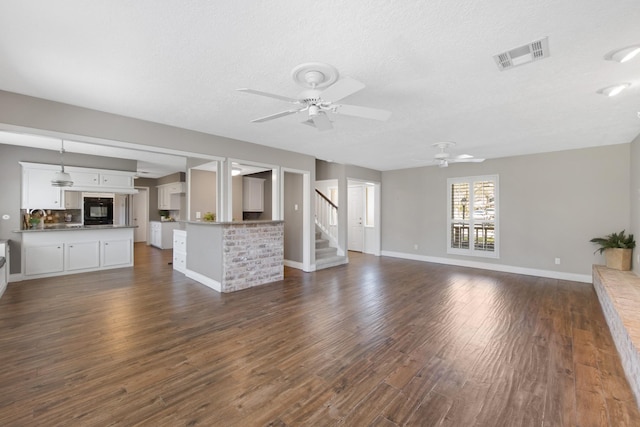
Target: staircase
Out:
[327,233]
[326,256]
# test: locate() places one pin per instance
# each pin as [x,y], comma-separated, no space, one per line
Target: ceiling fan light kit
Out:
[323,88]
[619,55]
[614,90]
[623,55]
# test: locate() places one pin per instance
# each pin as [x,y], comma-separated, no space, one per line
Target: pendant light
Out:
[62,178]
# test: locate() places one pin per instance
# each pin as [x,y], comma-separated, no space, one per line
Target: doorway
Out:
[140,214]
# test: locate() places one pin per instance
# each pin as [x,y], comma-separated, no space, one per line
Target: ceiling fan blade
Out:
[466,160]
[269,95]
[322,122]
[364,112]
[274,116]
[341,89]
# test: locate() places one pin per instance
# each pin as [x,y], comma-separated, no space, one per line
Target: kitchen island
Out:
[62,249]
[230,256]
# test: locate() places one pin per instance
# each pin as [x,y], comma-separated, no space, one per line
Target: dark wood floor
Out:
[382,341]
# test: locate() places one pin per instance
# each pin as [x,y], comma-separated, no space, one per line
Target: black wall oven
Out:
[98,210]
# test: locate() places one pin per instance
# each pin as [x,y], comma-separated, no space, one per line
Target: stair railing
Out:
[327,218]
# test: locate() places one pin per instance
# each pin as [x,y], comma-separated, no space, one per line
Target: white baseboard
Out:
[293,264]
[585,278]
[202,279]
[16,277]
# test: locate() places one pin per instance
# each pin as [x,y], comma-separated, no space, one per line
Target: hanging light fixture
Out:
[62,178]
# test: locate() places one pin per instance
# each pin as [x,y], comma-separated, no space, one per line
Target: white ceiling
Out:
[430,63]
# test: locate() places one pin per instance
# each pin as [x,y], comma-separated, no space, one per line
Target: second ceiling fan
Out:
[444,157]
[319,99]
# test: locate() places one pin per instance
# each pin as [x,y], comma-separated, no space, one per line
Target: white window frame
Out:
[471,251]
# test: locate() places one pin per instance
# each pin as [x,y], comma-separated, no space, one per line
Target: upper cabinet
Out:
[38,193]
[252,194]
[85,179]
[101,180]
[116,180]
[169,195]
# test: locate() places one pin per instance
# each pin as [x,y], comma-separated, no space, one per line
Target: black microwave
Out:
[98,210]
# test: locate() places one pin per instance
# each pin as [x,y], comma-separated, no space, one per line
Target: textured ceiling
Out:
[430,63]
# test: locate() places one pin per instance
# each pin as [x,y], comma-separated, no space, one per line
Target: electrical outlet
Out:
[198,215]
[557,261]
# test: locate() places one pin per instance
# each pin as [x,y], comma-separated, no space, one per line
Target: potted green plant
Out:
[34,222]
[617,248]
[209,217]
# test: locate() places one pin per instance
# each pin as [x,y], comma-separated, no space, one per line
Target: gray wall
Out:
[150,183]
[293,194]
[11,179]
[174,177]
[203,192]
[204,246]
[550,206]
[35,113]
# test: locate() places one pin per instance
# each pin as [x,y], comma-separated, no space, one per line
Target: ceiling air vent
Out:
[533,51]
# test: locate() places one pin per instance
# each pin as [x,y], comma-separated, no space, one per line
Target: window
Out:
[369,194]
[472,216]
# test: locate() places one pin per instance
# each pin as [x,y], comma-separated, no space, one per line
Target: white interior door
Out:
[140,214]
[356,220]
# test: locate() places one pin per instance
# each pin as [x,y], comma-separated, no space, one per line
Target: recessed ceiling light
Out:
[614,90]
[624,54]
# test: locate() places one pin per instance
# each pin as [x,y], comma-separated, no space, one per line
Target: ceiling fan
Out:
[319,99]
[443,157]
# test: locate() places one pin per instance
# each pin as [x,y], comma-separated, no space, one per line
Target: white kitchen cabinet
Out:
[252,194]
[169,195]
[44,259]
[37,192]
[155,233]
[180,250]
[117,252]
[82,255]
[161,234]
[100,180]
[57,252]
[72,200]
[115,180]
[84,179]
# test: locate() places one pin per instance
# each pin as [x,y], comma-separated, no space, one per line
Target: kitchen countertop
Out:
[262,221]
[66,227]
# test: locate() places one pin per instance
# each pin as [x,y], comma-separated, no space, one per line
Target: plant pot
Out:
[618,258]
